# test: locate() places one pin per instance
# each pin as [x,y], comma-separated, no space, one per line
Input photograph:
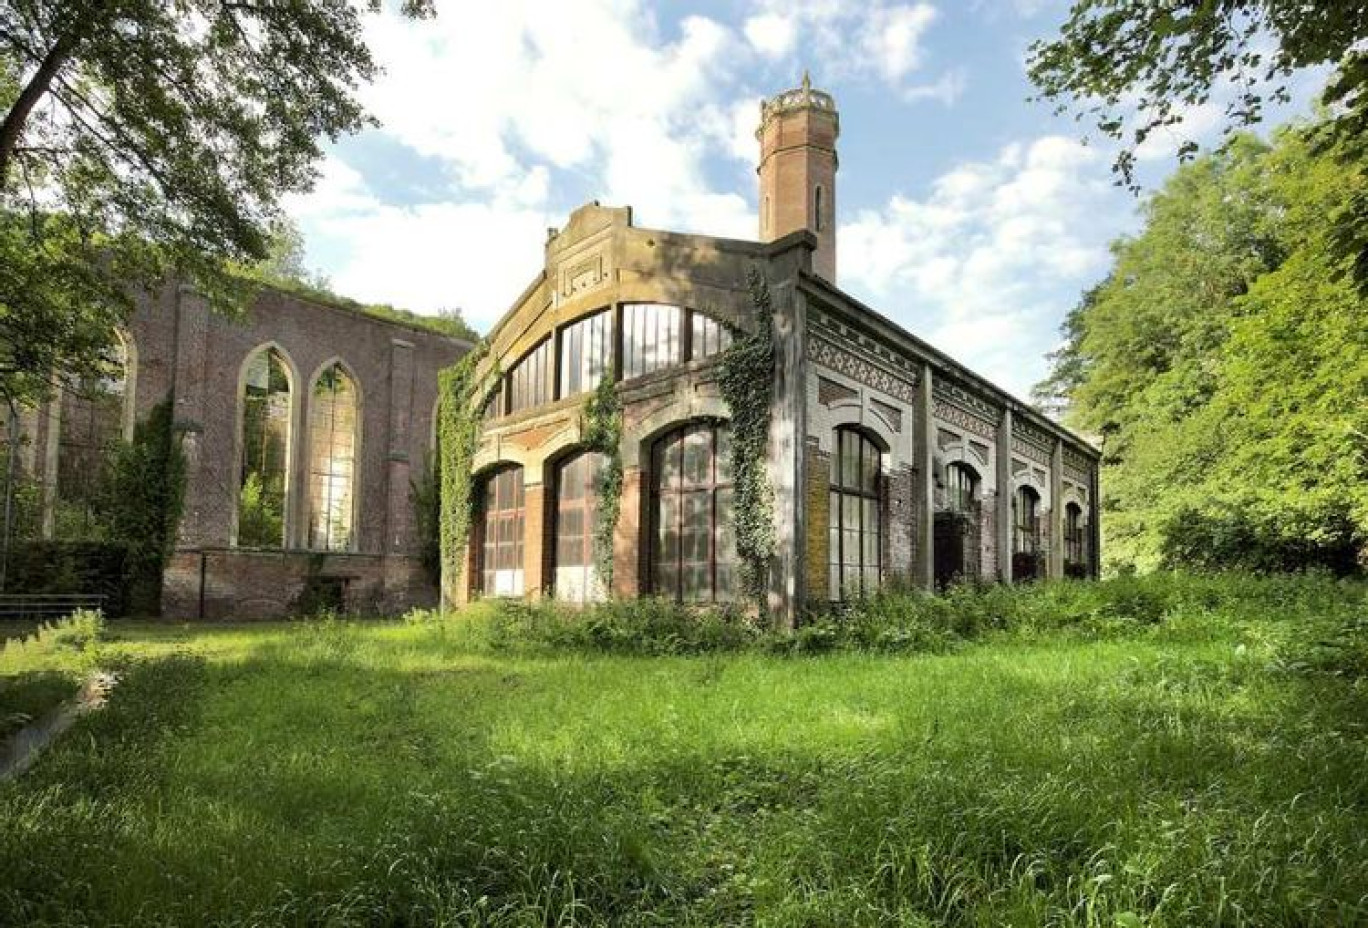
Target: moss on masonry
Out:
[747,386]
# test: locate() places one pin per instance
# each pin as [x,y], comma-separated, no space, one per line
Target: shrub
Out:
[97,568]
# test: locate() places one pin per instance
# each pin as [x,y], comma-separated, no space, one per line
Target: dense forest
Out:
[1223,367]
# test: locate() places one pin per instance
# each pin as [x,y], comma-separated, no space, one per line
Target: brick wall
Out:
[817,480]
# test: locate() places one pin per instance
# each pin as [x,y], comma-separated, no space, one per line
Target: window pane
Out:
[584,353]
[652,337]
[530,380]
[332,434]
[265,444]
[694,550]
[503,528]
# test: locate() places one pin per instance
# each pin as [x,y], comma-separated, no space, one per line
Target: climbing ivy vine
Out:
[747,385]
[458,437]
[603,433]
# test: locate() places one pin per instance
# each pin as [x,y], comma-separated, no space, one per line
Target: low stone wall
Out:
[233,584]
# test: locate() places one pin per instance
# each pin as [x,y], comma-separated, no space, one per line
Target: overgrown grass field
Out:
[1164,751]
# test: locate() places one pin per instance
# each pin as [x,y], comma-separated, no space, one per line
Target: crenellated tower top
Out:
[797,134]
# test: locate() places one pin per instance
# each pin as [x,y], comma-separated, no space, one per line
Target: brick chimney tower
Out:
[797,134]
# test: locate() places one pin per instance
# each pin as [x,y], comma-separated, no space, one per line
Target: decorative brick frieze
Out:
[962,418]
[862,369]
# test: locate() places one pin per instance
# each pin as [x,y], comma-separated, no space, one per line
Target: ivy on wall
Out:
[602,431]
[747,386]
[143,497]
[458,438]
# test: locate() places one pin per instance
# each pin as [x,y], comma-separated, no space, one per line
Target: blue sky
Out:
[968,214]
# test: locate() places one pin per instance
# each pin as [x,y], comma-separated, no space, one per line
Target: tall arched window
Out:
[1025,534]
[693,555]
[91,425]
[1075,545]
[264,480]
[855,518]
[961,488]
[333,419]
[500,527]
[577,482]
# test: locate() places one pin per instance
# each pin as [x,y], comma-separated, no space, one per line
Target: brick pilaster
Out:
[630,546]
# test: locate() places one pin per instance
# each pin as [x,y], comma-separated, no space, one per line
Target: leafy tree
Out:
[139,138]
[1136,66]
[1225,363]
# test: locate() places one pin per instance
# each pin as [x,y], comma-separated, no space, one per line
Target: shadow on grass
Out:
[304,785]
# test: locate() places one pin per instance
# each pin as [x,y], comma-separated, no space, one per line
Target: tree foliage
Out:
[1224,362]
[139,138]
[1136,66]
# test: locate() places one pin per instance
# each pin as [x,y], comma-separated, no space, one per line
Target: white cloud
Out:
[499,96]
[772,34]
[987,261]
[428,256]
[893,38]
[861,39]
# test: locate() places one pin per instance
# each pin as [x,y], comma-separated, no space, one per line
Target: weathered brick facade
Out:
[840,368]
[177,347]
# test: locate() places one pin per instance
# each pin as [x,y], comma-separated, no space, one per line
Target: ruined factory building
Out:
[888,460]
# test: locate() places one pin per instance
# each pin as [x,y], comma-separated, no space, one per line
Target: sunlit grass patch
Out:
[1184,772]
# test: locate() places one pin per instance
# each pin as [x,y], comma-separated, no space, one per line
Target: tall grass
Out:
[1053,767]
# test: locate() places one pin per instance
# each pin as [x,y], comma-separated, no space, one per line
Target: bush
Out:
[647,626]
[1292,613]
[96,568]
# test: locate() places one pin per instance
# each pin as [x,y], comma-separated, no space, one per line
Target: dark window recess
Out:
[855,516]
[1075,542]
[1026,554]
[693,554]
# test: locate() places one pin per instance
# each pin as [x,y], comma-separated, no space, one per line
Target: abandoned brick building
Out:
[888,460]
[302,424]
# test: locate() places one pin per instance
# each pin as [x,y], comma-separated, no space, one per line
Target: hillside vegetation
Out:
[1223,363]
[1161,751]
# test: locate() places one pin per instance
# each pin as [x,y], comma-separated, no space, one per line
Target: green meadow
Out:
[1158,752]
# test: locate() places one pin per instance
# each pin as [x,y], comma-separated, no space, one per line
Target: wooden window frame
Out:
[678,493]
[838,490]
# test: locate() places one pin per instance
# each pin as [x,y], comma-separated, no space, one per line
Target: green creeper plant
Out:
[747,385]
[143,499]
[458,437]
[602,432]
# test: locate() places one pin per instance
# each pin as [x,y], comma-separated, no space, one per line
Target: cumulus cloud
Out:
[501,96]
[991,256]
[859,39]
[427,256]
[771,34]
